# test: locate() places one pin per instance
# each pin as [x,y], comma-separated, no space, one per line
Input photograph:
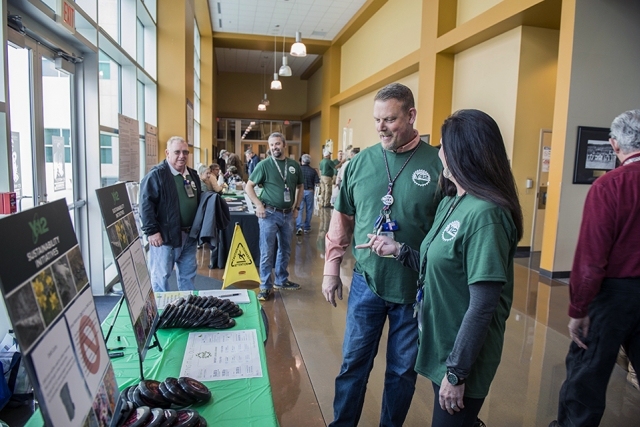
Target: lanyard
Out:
[423,266]
[631,160]
[283,176]
[388,198]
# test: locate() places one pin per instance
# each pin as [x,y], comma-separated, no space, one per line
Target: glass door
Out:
[41,108]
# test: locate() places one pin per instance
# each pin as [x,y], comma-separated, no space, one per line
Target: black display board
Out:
[49,301]
[128,254]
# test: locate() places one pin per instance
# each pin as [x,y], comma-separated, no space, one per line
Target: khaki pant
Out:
[326,185]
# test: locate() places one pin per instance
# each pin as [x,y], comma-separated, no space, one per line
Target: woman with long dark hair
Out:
[465,287]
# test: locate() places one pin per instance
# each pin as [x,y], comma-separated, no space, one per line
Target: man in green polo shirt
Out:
[277,208]
[169,197]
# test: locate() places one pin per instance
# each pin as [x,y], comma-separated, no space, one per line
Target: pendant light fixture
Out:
[275,84]
[298,48]
[285,70]
[264,102]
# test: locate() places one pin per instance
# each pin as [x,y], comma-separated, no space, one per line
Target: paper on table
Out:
[239,296]
[229,355]
[164,298]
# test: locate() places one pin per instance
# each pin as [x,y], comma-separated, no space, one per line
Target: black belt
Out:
[284,211]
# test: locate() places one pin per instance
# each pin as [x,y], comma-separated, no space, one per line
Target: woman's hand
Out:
[451,396]
[381,245]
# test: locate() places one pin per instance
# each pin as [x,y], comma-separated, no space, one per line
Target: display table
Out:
[244,402]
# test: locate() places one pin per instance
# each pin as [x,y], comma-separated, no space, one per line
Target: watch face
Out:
[452,378]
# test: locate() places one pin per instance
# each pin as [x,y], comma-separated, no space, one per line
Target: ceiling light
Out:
[298,48]
[265,101]
[262,107]
[275,84]
[285,70]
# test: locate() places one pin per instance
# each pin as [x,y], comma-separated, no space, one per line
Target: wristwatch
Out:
[453,378]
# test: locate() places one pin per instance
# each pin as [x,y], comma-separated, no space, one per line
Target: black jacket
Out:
[159,208]
[212,216]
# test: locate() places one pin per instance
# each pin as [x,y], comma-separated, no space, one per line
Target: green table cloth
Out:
[243,402]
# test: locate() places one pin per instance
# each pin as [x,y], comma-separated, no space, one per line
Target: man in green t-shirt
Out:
[327,171]
[276,208]
[389,187]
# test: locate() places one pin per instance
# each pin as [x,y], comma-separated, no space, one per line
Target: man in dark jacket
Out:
[169,196]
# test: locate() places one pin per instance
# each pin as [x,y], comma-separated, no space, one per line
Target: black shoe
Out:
[299,231]
[479,423]
[554,423]
[287,286]
[264,294]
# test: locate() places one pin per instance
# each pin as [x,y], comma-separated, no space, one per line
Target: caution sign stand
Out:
[240,266]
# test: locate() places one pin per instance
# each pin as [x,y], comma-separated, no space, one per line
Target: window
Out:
[106,150]
[48,144]
[140,43]
[196,94]
[109,84]
[108,17]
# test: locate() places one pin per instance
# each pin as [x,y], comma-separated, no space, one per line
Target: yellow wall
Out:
[486,78]
[315,147]
[392,33]
[314,90]
[469,9]
[239,94]
[360,111]
[534,111]
[175,68]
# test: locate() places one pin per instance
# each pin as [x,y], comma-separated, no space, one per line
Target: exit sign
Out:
[66,15]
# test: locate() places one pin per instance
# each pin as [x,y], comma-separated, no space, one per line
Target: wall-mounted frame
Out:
[594,155]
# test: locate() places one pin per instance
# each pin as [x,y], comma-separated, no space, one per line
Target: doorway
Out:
[542,183]
[45,159]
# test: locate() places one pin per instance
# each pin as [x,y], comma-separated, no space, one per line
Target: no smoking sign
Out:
[89,344]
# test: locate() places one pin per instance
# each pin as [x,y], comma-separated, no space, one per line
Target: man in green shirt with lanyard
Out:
[391,187]
[277,208]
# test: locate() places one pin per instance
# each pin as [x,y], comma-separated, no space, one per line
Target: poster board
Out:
[49,301]
[128,254]
[151,144]
[129,145]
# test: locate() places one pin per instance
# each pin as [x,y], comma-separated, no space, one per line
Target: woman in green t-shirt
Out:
[466,268]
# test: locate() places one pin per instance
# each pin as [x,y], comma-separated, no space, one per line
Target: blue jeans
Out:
[161,260]
[307,203]
[280,226]
[366,316]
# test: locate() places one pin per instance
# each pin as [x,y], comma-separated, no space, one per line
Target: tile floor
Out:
[305,341]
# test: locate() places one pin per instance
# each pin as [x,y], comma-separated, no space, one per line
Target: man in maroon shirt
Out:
[605,281]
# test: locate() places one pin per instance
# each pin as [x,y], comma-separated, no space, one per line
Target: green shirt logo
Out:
[450,231]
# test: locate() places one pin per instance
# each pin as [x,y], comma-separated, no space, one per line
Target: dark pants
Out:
[465,418]
[615,319]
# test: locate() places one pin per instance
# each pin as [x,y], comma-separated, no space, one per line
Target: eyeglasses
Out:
[183,152]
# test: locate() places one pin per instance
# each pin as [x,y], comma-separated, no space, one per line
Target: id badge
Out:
[188,189]
[287,195]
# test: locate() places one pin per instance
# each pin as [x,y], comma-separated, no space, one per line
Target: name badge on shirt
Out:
[287,194]
[188,188]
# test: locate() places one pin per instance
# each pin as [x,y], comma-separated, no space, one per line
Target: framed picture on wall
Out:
[594,155]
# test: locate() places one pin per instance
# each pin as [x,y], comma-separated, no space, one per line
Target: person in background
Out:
[465,287]
[340,174]
[604,286]
[276,209]
[327,171]
[310,180]
[252,160]
[217,174]
[381,288]
[222,160]
[208,181]
[232,176]
[169,196]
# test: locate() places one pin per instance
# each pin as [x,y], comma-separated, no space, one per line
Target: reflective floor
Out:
[305,341]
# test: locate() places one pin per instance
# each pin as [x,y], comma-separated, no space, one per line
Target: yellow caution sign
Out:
[239,266]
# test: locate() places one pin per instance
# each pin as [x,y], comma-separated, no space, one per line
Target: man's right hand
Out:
[331,284]
[260,211]
[155,239]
